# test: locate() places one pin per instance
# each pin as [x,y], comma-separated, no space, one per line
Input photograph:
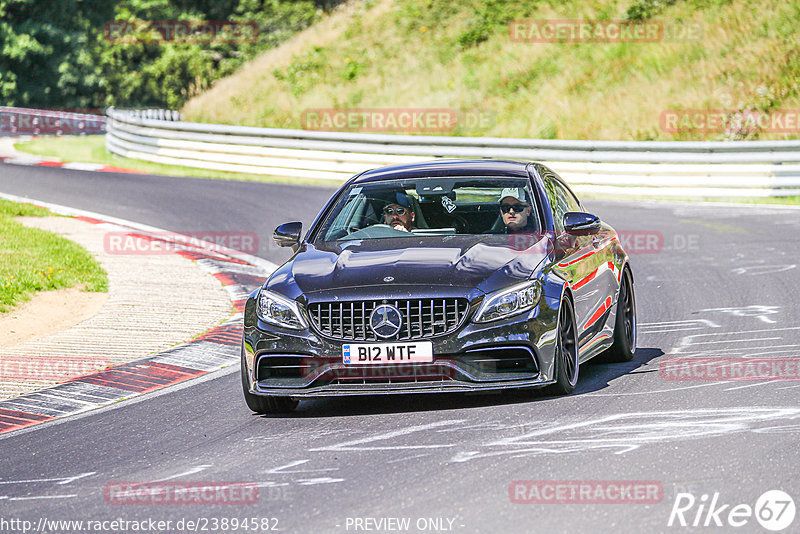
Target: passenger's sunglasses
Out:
[518,208]
[399,210]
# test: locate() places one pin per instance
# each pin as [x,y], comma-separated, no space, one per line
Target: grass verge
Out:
[475,59]
[92,149]
[33,260]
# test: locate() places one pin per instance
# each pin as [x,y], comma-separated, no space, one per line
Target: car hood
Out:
[483,262]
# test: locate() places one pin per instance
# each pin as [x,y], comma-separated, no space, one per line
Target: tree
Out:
[46,57]
[61,54]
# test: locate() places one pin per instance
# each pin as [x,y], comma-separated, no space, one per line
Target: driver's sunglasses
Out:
[399,210]
[518,208]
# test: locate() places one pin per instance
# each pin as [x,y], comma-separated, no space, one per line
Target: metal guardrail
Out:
[24,121]
[687,169]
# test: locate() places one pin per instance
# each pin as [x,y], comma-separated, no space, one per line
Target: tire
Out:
[624,346]
[565,353]
[261,404]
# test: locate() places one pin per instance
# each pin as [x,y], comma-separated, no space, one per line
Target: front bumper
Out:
[508,354]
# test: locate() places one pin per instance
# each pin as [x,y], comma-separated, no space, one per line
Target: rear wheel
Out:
[566,352]
[624,345]
[262,404]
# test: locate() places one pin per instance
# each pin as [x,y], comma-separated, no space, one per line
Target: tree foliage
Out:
[48,52]
[60,54]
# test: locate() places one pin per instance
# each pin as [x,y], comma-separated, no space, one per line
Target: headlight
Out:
[508,302]
[278,310]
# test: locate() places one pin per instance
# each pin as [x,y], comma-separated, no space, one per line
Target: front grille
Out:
[422,318]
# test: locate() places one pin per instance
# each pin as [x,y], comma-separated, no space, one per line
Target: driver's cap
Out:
[513,192]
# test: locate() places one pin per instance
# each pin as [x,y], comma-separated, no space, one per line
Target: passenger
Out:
[399,214]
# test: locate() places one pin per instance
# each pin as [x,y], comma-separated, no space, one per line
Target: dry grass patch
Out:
[432,53]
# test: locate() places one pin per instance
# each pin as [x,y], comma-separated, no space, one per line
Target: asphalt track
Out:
[721,283]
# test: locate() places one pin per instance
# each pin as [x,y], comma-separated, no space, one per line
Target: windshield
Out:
[432,206]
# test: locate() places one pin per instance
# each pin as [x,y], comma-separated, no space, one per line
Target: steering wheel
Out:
[368,221]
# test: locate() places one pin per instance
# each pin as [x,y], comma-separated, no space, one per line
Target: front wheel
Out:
[566,352]
[261,404]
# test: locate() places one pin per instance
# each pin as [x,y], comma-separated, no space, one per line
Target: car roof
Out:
[444,167]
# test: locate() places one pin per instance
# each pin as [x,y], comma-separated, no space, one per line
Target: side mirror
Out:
[288,234]
[580,223]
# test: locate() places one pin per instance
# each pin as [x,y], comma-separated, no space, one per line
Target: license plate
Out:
[387,353]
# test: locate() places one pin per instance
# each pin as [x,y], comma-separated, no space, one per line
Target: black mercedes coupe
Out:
[445,276]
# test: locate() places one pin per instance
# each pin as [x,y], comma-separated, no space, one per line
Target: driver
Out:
[398,213]
[515,210]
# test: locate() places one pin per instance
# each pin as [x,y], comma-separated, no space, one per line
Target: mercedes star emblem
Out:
[385,320]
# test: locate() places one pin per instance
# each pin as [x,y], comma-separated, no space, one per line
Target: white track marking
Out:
[737,340]
[270,484]
[407,458]
[748,331]
[283,469]
[629,431]
[689,344]
[76,477]
[354,444]
[652,332]
[35,497]
[191,471]
[315,481]
[701,346]
[676,326]
[61,480]
[754,310]
[650,392]
[751,385]
[758,270]
[746,352]
[706,322]
[778,429]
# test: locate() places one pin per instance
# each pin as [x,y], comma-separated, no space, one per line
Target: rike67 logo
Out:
[774,510]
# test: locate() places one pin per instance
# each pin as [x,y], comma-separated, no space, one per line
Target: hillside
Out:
[723,56]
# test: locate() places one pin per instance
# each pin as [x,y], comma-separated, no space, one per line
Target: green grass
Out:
[33,260]
[92,149]
[715,55]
